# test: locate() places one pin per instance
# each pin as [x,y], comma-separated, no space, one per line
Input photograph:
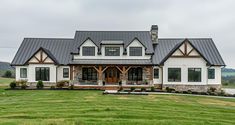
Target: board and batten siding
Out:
[184,64]
[31,72]
[134,43]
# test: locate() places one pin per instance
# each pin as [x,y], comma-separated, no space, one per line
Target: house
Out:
[126,58]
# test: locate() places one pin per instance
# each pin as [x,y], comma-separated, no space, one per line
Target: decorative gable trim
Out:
[138,41]
[42,56]
[184,53]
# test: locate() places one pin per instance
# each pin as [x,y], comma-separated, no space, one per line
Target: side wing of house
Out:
[186,66]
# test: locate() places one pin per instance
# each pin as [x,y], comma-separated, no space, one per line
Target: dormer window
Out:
[112,51]
[135,51]
[88,51]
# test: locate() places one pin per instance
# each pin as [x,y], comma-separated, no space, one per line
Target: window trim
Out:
[21,75]
[174,68]
[93,47]
[135,47]
[64,73]
[194,71]
[157,73]
[89,74]
[40,76]
[208,73]
[112,47]
[133,71]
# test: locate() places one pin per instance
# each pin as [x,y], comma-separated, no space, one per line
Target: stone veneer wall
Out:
[196,88]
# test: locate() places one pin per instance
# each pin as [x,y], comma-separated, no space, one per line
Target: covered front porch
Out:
[111,75]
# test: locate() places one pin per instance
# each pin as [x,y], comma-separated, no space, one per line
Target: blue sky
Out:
[60,18]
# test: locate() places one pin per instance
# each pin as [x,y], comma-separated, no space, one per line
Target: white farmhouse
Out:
[121,58]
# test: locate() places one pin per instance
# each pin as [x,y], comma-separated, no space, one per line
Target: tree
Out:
[8,74]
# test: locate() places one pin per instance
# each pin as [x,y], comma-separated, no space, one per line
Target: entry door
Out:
[112,75]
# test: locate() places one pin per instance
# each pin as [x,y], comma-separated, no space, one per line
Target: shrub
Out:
[212,89]
[22,84]
[120,83]
[8,74]
[40,84]
[120,89]
[168,89]
[52,87]
[225,83]
[62,83]
[71,87]
[13,84]
[152,89]
[143,89]
[132,88]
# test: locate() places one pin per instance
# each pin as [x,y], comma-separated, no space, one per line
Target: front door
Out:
[111,75]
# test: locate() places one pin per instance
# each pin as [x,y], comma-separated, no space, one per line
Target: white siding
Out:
[17,73]
[60,73]
[159,80]
[184,64]
[32,72]
[135,43]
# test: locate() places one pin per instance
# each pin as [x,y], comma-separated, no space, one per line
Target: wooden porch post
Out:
[100,73]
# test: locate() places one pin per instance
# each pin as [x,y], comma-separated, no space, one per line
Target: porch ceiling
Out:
[113,61]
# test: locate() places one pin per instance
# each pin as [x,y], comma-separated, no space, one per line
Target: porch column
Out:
[100,74]
[149,74]
[123,75]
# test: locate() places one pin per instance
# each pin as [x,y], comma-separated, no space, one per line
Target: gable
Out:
[186,50]
[40,57]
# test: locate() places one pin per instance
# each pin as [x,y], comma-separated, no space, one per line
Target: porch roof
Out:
[113,61]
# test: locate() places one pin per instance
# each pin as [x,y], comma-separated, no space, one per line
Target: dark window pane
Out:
[156,73]
[65,72]
[194,74]
[88,51]
[23,72]
[112,51]
[135,51]
[89,74]
[211,73]
[135,74]
[42,73]
[174,74]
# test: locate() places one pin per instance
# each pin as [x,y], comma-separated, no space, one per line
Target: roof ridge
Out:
[112,31]
[50,38]
[186,38]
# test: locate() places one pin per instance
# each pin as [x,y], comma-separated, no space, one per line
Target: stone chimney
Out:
[154,33]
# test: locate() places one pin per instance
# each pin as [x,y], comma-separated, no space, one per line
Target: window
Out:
[112,51]
[156,73]
[135,74]
[23,72]
[65,72]
[89,74]
[135,51]
[43,73]
[174,74]
[211,73]
[194,74]
[88,51]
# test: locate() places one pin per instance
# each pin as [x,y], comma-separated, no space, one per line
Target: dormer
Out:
[135,48]
[88,48]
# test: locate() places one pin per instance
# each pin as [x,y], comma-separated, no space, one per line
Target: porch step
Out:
[110,91]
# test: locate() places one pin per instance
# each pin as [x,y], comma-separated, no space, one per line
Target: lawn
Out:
[5,81]
[81,107]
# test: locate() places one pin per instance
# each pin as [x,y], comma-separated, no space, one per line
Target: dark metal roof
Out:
[113,61]
[59,48]
[125,36]
[205,46]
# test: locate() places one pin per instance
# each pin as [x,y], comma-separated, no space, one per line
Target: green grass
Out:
[5,81]
[54,107]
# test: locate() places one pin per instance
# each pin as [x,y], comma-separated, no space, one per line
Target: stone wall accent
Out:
[148,74]
[195,88]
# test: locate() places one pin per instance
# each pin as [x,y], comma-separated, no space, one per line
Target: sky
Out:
[61,18]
